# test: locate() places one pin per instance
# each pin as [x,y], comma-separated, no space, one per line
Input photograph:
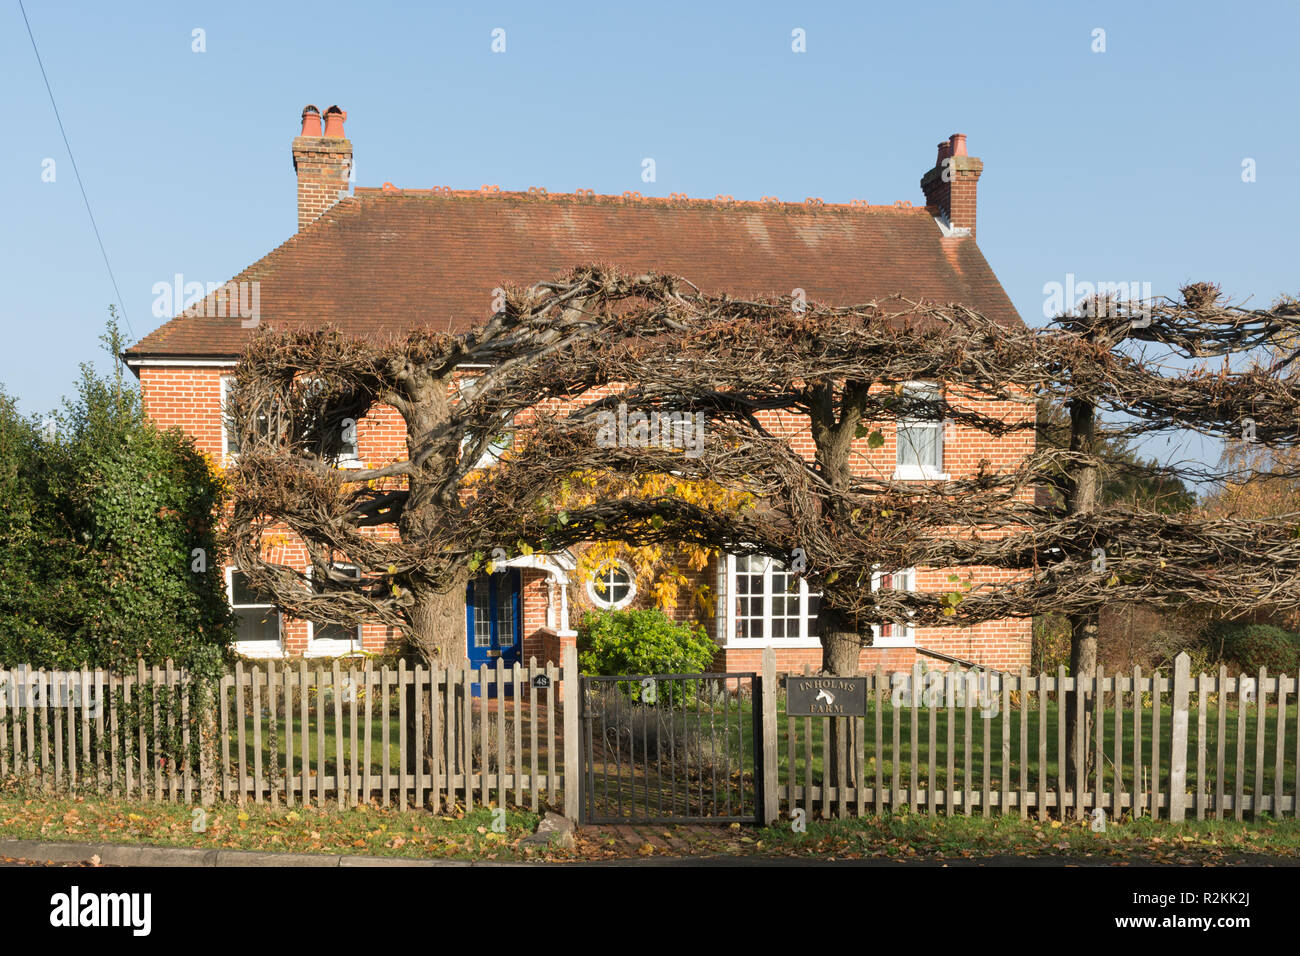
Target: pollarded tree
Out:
[846,371]
[562,355]
[662,345]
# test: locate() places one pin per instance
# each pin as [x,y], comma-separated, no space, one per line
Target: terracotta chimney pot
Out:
[334,118]
[310,121]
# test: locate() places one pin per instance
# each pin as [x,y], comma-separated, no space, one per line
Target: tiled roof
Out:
[387,260]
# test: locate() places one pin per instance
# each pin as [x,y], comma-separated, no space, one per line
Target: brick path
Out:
[677,837]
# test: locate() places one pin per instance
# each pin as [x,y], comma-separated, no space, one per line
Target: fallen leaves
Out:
[900,837]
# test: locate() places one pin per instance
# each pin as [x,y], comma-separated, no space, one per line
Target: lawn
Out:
[921,757]
[385,737]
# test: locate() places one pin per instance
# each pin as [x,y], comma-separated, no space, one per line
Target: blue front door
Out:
[493,622]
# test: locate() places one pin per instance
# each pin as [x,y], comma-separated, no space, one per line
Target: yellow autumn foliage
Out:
[660,571]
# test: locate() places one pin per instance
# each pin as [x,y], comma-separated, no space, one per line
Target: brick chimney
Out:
[950,186]
[322,161]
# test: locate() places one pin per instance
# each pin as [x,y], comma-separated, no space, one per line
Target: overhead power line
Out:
[93,225]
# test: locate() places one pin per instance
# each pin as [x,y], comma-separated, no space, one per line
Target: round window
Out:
[612,586]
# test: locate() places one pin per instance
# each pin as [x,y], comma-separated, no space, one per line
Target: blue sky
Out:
[1117,166]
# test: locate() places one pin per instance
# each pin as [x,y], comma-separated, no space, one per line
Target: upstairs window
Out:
[346,444]
[229,436]
[229,440]
[348,456]
[499,444]
[920,434]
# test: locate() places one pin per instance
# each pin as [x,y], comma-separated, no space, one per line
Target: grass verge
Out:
[416,834]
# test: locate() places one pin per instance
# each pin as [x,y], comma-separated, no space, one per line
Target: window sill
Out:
[324,649]
[758,643]
[916,473]
[907,641]
[263,650]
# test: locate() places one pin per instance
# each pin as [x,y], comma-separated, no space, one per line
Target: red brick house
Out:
[383,260]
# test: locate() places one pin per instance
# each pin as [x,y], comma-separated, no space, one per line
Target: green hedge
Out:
[1252,646]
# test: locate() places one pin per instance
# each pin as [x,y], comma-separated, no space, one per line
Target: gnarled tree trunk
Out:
[841,649]
[1081,499]
[436,639]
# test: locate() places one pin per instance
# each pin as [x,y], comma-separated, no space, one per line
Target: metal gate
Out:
[672,748]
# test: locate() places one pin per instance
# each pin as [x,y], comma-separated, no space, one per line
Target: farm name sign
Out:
[826,696]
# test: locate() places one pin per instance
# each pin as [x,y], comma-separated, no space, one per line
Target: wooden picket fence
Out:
[953,742]
[962,743]
[297,735]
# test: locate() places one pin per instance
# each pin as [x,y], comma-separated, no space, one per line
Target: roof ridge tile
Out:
[540,193]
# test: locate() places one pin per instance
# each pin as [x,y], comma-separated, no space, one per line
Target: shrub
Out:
[108,541]
[1252,646]
[644,641]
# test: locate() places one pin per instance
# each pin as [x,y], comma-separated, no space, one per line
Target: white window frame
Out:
[601,600]
[494,450]
[730,620]
[910,472]
[261,649]
[226,453]
[330,646]
[904,636]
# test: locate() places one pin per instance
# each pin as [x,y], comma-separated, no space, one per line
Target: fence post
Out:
[572,745]
[1178,745]
[4,726]
[767,739]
